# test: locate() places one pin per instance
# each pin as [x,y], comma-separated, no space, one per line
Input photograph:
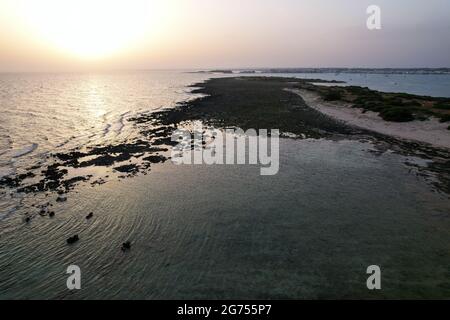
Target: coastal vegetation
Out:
[396,107]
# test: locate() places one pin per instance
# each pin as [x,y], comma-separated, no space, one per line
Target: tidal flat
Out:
[345,198]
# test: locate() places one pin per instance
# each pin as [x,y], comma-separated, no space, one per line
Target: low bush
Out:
[394,101]
[445,118]
[414,103]
[397,114]
[442,106]
[332,96]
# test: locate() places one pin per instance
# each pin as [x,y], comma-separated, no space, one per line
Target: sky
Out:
[79,35]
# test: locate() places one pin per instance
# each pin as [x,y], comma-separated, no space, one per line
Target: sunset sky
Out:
[70,35]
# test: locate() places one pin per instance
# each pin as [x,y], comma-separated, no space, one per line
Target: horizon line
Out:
[218,69]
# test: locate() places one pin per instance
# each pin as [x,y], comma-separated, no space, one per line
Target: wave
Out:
[120,123]
[117,126]
[24,151]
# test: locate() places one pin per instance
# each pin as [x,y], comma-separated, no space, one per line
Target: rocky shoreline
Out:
[247,102]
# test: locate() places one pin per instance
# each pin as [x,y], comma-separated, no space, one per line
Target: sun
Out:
[91,28]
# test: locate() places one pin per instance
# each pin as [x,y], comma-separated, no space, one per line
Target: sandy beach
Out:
[429,131]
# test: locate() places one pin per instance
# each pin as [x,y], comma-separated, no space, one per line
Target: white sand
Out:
[429,131]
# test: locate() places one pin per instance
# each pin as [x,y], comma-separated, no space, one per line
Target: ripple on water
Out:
[22,151]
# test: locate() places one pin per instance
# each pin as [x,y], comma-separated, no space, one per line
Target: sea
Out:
[214,232]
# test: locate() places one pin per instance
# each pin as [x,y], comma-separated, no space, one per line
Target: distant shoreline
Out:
[262,71]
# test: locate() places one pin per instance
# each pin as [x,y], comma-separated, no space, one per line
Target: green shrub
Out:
[397,114]
[414,103]
[372,104]
[442,106]
[394,101]
[332,96]
[422,117]
[445,118]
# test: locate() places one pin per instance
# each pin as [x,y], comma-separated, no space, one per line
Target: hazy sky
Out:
[51,35]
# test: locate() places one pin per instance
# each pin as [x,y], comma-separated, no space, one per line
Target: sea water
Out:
[335,208]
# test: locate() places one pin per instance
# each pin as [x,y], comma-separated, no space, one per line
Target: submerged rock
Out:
[132,169]
[73,239]
[156,159]
[126,246]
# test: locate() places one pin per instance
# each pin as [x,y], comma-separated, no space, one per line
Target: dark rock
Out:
[132,169]
[126,246]
[155,159]
[90,216]
[73,239]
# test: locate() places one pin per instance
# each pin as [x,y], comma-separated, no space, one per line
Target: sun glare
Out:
[91,28]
